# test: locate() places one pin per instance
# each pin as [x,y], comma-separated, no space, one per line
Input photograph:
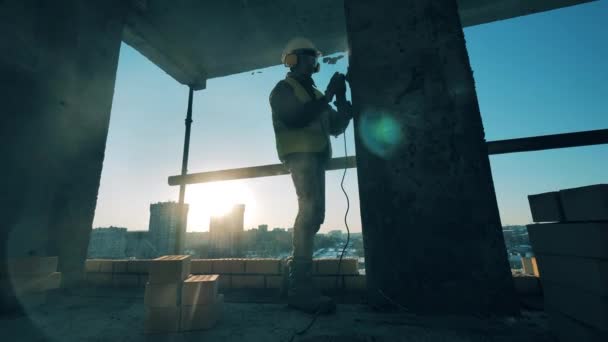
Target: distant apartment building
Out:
[226,233]
[164,222]
[197,244]
[336,233]
[139,245]
[110,243]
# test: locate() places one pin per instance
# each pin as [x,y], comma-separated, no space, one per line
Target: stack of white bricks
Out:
[31,277]
[234,273]
[572,255]
[176,301]
[269,273]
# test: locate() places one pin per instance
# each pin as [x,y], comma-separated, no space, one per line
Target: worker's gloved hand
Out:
[344,107]
[340,84]
[335,86]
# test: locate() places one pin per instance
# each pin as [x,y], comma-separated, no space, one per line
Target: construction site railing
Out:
[537,143]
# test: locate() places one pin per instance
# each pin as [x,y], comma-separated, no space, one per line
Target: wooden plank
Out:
[200,289]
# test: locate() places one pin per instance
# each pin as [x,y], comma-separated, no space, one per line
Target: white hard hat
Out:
[299,44]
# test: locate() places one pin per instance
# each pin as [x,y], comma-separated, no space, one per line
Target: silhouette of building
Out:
[108,243]
[164,222]
[139,245]
[226,233]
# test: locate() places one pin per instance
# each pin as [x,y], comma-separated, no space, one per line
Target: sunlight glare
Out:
[215,199]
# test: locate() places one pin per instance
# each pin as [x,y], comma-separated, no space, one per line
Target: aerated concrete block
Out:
[263,266]
[200,289]
[125,280]
[247,281]
[106,266]
[225,281]
[328,282]
[546,207]
[138,266]
[201,266]
[567,329]
[588,203]
[228,266]
[330,266]
[120,266]
[162,320]
[274,281]
[142,280]
[585,307]
[162,295]
[99,279]
[169,269]
[200,317]
[587,274]
[589,239]
[92,265]
[354,282]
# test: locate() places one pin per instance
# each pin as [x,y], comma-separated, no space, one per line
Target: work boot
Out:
[302,294]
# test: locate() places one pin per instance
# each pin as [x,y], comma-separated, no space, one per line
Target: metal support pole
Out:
[180,237]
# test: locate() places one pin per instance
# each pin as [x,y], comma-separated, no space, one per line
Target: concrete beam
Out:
[431,229]
[58,66]
[194,40]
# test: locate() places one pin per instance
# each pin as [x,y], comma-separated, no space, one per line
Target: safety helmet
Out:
[299,46]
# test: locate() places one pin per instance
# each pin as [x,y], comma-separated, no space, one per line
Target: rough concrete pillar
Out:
[58,67]
[431,228]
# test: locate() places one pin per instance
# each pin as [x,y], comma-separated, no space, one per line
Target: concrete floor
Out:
[117,315]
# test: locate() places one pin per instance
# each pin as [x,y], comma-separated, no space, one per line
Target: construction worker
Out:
[303,120]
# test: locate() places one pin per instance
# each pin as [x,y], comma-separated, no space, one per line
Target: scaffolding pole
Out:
[180,237]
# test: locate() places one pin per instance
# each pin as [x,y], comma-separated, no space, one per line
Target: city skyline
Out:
[529,80]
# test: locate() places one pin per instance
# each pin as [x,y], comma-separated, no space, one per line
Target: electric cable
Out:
[347,204]
[303,331]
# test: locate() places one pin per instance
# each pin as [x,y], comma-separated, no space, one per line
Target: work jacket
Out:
[302,118]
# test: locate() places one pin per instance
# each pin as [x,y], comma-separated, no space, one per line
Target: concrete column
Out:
[431,228]
[58,67]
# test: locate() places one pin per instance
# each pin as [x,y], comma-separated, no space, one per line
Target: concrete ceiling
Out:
[195,40]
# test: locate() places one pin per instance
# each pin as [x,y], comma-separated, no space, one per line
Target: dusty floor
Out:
[116,315]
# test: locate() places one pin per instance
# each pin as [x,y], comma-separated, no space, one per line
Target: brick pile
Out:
[175,300]
[234,273]
[572,255]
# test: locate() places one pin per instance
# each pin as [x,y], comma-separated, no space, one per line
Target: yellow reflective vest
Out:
[313,137]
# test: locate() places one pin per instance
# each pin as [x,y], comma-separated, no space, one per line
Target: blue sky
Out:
[540,74]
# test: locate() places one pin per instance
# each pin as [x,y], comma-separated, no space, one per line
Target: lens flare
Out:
[380,133]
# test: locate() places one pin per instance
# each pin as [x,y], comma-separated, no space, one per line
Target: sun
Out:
[215,199]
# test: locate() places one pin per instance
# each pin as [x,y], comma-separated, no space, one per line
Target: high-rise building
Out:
[139,245]
[164,222]
[226,233]
[108,243]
